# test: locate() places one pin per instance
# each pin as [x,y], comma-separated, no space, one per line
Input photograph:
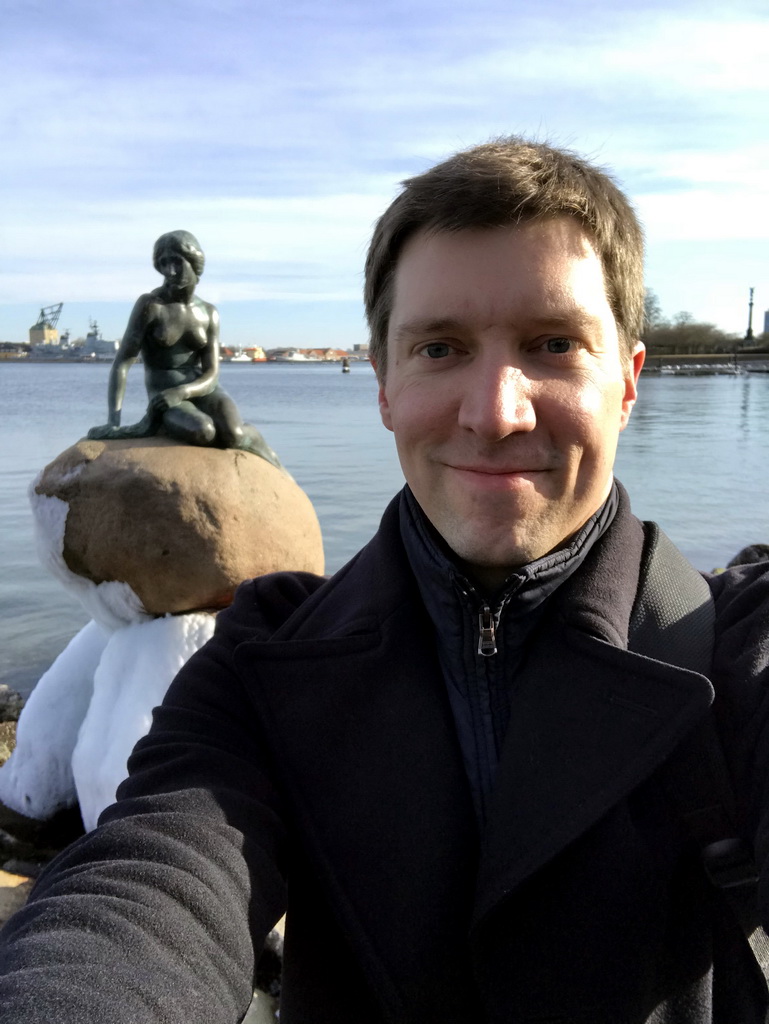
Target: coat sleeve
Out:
[159,914]
[741,679]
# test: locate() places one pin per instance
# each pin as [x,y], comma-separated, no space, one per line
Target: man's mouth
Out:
[497,477]
[494,469]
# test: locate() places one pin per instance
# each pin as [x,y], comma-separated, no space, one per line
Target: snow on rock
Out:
[87,711]
[135,670]
[113,604]
[37,778]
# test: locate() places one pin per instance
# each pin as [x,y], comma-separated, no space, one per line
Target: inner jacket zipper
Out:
[487,619]
[487,637]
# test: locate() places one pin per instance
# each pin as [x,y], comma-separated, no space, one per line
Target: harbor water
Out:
[694,458]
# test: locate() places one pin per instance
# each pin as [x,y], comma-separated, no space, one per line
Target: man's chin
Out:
[483,558]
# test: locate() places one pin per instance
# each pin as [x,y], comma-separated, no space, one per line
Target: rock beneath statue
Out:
[11,704]
[7,740]
[181,525]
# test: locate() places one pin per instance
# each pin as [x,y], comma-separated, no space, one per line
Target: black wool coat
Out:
[306,759]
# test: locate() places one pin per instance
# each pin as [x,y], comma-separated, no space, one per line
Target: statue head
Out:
[184,243]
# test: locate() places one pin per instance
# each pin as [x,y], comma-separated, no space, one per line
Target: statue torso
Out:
[175,335]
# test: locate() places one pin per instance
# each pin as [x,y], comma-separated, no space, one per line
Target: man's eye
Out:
[559,346]
[437,350]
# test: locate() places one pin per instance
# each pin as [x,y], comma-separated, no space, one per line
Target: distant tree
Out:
[687,335]
[683,319]
[652,310]
[683,334]
[760,343]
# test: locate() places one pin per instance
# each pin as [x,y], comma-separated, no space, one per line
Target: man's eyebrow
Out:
[426,325]
[563,320]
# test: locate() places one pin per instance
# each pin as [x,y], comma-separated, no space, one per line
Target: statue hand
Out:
[103,433]
[165,400]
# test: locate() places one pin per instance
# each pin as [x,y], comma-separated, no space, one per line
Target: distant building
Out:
[95,346]
[13,350]
[44,332]
[766,322]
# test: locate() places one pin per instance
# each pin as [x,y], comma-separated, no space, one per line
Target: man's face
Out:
[505,388]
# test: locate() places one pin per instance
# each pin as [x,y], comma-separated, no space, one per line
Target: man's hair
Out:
[185,244]
[504,183]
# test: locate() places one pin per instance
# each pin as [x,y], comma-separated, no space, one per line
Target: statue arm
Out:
[209,360]
[129,349]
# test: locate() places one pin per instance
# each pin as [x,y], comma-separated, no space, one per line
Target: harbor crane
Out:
[49,316]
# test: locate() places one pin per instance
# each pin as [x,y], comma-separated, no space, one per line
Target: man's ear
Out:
[384,407]
[631,375]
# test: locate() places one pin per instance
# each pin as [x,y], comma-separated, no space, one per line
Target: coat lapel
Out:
[357,720]
[589,720]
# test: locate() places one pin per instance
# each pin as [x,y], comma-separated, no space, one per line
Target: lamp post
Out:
[749,332]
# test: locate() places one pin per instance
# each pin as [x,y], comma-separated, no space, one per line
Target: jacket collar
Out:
[440,576]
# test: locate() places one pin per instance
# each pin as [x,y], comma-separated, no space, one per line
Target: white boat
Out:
[294,356]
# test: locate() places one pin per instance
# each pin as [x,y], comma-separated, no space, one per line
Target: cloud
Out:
[279,133]
[292,248]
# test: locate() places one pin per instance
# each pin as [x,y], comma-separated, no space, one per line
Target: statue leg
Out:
[190,425]
[252,441]
[224,413]
[231,431]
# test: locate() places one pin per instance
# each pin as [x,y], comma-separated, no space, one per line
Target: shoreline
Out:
[683,364]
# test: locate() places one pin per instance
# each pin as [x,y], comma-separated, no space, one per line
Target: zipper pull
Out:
[487,641]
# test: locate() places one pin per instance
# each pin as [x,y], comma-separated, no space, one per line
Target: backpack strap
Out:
[673,620]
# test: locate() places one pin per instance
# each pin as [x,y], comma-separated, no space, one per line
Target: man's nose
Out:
[497,402]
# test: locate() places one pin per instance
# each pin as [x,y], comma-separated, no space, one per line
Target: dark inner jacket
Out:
[479,675]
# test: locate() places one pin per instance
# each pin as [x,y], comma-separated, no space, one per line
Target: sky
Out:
[277,131]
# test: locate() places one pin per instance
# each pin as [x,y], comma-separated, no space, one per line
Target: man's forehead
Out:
[547,269]
[570,229]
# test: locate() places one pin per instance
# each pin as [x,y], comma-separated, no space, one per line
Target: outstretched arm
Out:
[158,914]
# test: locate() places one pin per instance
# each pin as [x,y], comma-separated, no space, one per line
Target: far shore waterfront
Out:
[682,364]
[707,362]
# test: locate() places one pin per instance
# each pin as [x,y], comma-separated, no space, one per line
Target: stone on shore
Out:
[182,526]
[7,740]
[14,890]
[11,704]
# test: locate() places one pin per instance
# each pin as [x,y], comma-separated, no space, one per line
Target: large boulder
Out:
[181,525]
